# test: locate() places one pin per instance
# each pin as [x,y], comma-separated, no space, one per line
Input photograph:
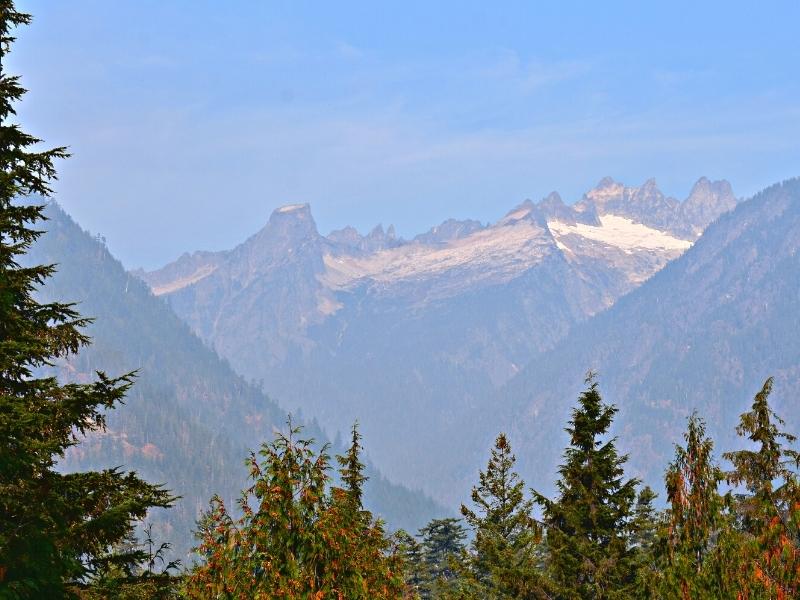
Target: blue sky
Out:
[191,121]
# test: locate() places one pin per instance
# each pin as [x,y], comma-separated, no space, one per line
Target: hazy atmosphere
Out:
[399,301]
[189,123]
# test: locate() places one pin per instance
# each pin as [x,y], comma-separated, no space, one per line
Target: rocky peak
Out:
[347,236]
[517,213]
[451,229]
[714,193]
[605,192]
[289,235]
[292,221]
[552,201]
[378,239]
[349,241]
[707,201]
[650,197]
[552,208]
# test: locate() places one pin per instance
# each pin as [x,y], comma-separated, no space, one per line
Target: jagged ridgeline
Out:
[189,420]
[413,336]
[699,335]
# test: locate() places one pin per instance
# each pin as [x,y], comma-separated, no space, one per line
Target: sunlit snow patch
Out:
[622,233]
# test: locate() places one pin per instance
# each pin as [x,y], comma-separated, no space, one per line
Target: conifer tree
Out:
[297,538]
[55,528]
[503,563]
[442,550]
[694,561]
[352,469]
[411,552]
[769,511]
[644,522]
[587,526]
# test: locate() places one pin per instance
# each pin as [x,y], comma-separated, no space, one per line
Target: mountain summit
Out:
[405,335]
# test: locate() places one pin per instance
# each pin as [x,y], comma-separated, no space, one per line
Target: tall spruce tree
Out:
[503,563]
[768,512]
[55,528]
[587,526]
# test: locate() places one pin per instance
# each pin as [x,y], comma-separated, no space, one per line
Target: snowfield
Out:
[622,233]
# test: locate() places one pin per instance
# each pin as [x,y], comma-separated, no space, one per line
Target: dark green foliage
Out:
[55,528]
[504,558]
[587,526]
[410,550]
[155,579]
[442,549]
[643,529]
[351,468]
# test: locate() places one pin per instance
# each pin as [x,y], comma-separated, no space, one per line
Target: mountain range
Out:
[425,341]
[189,421]
[702,334]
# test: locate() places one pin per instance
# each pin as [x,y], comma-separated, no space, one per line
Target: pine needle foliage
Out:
[442,553]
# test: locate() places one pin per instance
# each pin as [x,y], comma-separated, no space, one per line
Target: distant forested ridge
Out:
[414,337]
[189,419]
[699,333]
[731,529]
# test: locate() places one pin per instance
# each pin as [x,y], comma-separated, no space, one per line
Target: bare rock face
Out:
[449,230]
[648,206]
[397,333]
[706,202]
[349,241]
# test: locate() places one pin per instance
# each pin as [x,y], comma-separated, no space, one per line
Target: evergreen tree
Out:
[587,527]
[769,512]
[694,562]
[410,550]
[644,543]
[55,528]
[352,469]
[297,538]
[504,550]
[442,550]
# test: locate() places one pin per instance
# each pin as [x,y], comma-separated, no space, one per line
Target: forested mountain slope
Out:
[189,420]
[702,334]
[410,337]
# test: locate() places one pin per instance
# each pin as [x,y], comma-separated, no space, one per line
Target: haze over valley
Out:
[415,338]
[564,364]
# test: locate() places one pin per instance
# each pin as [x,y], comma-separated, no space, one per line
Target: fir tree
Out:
[442,550]
[410,550]
[644,543]
[55,528]
[769,512]
[352,469]
[587,540]
[504,558]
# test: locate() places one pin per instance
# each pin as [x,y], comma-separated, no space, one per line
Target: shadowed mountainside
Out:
[189,420]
